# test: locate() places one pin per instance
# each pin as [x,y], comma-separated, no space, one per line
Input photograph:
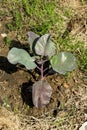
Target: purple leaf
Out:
[31,38]
[44,46]
[41,93]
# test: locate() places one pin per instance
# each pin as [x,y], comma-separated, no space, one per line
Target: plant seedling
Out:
[43,50]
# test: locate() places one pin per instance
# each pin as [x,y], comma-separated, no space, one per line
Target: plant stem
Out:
[41,68]
[42,72]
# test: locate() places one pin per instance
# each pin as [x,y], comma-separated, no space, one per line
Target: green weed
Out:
[17,20]
[84,1]
[6,103]
[16,24]
[42,17]
[7,41]
[83,60]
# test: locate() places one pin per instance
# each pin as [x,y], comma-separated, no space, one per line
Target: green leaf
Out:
[21,56]
[44,46]
[63,62]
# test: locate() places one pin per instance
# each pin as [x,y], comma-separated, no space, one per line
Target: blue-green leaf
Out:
[45,46]
[63,62]
[21,56]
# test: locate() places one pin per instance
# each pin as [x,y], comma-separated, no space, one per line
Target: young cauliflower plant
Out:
[43,50]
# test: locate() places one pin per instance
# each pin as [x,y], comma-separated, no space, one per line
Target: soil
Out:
[16,82]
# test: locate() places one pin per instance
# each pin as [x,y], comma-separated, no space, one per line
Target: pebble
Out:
[3,35]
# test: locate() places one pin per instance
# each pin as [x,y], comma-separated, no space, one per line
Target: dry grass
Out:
[8,121]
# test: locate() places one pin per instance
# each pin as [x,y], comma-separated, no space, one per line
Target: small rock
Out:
[84,126]
[4,35]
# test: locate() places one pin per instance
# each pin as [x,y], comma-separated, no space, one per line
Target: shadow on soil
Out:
[17,44]
[6,66]
[26,93]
